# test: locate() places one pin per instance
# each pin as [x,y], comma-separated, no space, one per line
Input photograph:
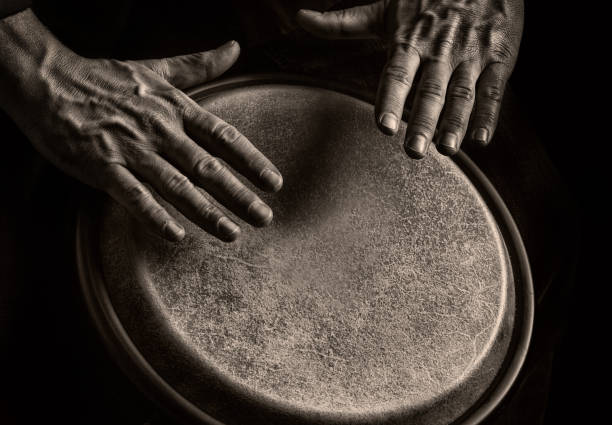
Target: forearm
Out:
[10,7]
[29,54]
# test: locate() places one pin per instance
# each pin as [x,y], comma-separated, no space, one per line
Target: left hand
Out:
[466,51]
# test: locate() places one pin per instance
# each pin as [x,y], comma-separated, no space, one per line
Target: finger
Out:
[355,22]
[189,200]
[489,93]
[428,104]
[458,107]
[209,173]
[139,201]
[395,83]
[190,70]
[225,141]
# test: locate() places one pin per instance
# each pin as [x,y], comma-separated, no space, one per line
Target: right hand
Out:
[466,51]
[117,125]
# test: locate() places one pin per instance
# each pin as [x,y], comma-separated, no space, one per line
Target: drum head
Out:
[386,290]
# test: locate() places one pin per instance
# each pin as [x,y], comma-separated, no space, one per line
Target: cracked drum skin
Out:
[381,292]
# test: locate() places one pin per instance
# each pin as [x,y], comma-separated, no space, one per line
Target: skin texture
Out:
[125,126]
[465,51]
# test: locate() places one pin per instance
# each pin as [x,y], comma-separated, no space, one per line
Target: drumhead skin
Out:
[386,290]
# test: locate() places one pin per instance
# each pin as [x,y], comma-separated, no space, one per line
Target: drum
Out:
[385,291]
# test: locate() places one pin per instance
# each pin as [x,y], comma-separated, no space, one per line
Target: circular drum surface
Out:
[382,292]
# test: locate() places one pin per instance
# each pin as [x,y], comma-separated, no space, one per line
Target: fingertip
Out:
[413,154]
[307,13]
[173,231]
[261,213]
[232,48]
[416,146]
[448,144]
[388,123]
[229,45]
[227,230]
[227,53]
[481,136]
[272,180]
[308,19]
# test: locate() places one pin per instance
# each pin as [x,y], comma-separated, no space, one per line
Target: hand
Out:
[116,125]
[465,50]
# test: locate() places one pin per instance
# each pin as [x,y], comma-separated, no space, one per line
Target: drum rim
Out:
[124,352]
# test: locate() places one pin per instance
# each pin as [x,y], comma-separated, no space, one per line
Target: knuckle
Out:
[178,183]
[454,120]
[193,60]
[431,88]
[207,211]
[137,197]
[339,17]
[429,14]
[208,69]
[343,16]
[486,117]
[208,166]
[161,68]
[157,214]
[424,122]
[503,51]
[461,90]
[493,92]
[406,47]
[443,46]
[176,99]
[242,194]
[398,74]
[228,134]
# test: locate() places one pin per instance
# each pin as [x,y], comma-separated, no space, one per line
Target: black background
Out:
[558,89]
[551,80]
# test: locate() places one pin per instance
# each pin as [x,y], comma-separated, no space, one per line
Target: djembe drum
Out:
[386,290]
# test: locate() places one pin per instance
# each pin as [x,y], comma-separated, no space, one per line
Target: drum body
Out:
[385,291]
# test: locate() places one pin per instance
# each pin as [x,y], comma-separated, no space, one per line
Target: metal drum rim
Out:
[136,367]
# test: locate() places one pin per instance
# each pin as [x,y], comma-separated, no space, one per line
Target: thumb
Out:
[356,22]
[190,70]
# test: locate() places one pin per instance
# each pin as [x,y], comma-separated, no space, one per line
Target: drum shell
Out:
[226,400]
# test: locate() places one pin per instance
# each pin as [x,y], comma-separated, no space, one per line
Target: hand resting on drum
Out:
[116,125]
[465,50]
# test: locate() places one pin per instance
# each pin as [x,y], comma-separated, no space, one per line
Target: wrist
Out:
[30,57]
[10,7]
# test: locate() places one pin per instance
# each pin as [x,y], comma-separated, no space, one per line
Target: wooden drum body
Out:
[385,291]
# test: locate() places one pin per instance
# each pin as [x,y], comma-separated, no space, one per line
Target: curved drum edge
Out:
[136,367]
[115,338]
[525,307]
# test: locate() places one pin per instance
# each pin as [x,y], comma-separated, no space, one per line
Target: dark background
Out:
[557,90]
[52,362]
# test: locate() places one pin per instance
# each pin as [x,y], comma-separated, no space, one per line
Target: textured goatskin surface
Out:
[382,284]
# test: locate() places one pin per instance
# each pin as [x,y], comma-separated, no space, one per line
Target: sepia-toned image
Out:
[301,212]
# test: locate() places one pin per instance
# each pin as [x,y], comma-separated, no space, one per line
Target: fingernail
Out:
[272,179]
[447,144]
[228,230]
[230,43]
[389,122]
[173,231]
[308,12]
[416,146]
[480,135]
[260,212]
